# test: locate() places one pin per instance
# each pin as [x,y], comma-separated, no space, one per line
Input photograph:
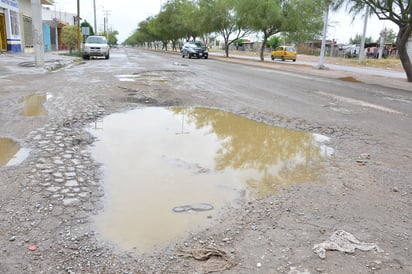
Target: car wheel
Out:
[206,57]
[283,58]
[190,56]
[107,56]
[272,57]
[85,57]
[183,55]
[294,60]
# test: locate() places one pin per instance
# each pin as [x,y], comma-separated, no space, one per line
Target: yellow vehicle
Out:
[284,53]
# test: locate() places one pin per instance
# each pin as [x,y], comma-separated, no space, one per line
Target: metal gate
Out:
[28,32]
[3,36]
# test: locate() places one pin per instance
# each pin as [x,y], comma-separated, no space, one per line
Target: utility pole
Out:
[322,48]
[106,23]
[37,33]
[95,20]
[362,45]
[78,26]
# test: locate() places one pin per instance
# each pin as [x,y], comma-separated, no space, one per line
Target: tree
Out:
[274,41]
[69,37]
[86,24]
[221,16]
[358,38]
[398,12]
[298,18]
[389,35]
[112,37]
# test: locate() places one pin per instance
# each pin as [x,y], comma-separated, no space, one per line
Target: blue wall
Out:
[46,38]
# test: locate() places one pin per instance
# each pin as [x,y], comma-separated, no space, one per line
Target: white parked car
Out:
[96,46]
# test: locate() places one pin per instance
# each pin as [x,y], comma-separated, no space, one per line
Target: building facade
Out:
[16,30]
[10,35]
[53,23]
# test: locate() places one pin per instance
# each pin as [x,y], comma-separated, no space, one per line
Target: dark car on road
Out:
[194,49]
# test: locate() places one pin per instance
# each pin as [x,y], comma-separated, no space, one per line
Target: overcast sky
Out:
[125,15]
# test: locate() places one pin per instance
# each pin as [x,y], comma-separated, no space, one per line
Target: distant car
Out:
[96,46]
[284,53]
[194,49]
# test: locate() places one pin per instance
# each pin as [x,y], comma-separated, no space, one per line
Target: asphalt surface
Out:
[24,63]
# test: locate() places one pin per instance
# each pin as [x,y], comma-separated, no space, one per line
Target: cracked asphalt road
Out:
[48,200]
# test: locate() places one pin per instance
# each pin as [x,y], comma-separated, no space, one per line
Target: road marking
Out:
[358,102]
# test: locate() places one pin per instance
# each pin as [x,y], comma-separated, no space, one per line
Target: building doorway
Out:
[3,36]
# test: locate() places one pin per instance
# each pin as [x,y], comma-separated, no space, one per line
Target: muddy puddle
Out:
[156,160]
[33,105]
[11,153]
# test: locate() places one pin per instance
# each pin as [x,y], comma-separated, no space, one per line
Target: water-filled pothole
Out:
[11,153]
[33,105]
[156,159]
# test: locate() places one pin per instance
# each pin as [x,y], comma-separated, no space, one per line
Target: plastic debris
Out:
[32,248]
[194,207]
[343,241]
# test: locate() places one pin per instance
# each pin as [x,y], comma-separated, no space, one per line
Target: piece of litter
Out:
[343,241]
[217,260]
[32,248]
[194,207]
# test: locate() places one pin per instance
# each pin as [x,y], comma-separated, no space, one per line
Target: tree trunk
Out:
[227,47]
[227,50]
[401,40]
[262,48]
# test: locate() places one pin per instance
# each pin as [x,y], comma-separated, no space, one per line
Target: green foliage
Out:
[112,39]
[239,42]
[70,37]
[86,24]
[389,35]
[274,41]
[303,20]
[358,39]
[232,19]
[298,19]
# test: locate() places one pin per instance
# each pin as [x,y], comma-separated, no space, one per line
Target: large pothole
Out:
[159,159]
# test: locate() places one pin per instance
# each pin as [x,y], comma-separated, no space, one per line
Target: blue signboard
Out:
[11,3]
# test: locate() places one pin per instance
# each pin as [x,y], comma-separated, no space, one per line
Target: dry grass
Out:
[387,63]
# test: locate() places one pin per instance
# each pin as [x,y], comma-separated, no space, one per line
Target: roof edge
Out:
[47,2]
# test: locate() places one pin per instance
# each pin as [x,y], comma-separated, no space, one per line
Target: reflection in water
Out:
[8,149]
[33,105]
[156,159]
[276,155]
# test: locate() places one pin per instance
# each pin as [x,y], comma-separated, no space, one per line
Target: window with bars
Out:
[14,19]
